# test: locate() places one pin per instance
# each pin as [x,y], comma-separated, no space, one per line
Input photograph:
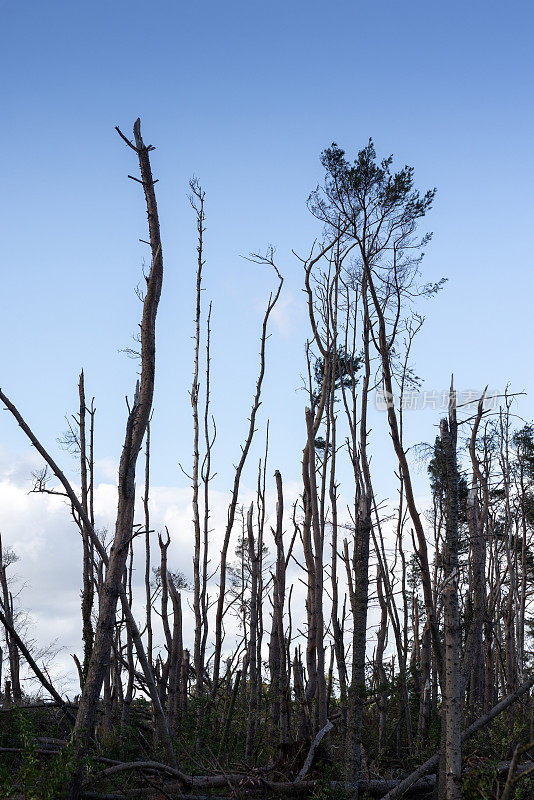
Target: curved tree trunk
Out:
[135,432]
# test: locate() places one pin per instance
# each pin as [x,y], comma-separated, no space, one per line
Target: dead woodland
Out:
[404,667]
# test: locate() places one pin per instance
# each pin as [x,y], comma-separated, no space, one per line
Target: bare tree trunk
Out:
[424,703]
[146,507]
[473,666]
[474,645]
[128,694]
[379,661]
[359,602]
[450,783]
[175,658]
[87,592]
[13,653]
[209,441]
[260,591]
[184,683]
[164,579]
[253,716]
[305,724]
[311,637]
[317,597]
[230,712]
[337,631]
[135,432]
[197,201]
[277,649]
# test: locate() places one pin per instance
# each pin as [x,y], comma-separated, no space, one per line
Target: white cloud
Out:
[40,529]
[47,577]
[106,469]
[287,314]
[18,470]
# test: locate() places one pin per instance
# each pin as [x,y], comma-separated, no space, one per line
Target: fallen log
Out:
[374,787]
[130,766]
[32,706]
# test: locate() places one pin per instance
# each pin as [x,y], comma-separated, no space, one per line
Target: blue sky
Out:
[245,96]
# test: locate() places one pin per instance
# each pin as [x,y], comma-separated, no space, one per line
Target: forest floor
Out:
[36,763]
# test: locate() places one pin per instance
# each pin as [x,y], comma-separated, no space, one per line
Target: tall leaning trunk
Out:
[450,776]
[135,430]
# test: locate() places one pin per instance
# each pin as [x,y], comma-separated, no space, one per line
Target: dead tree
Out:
[197,202]
[450,778]
[135,431]
[88,581]
[209,441]
[277,644]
